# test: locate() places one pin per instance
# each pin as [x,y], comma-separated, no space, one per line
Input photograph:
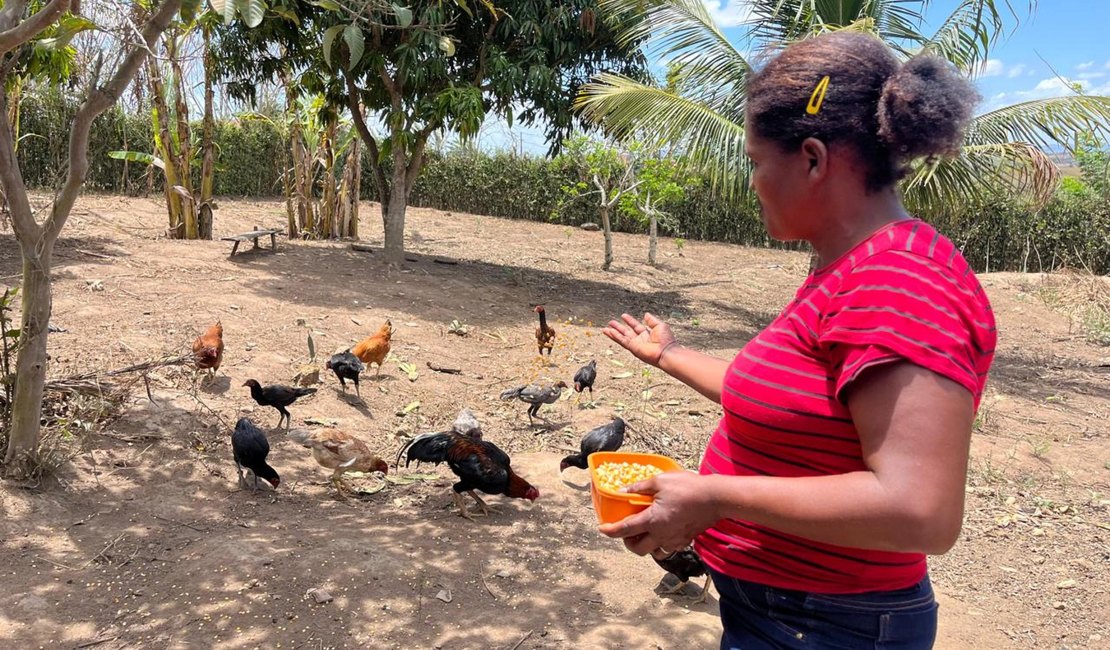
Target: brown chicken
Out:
[340,452]
[208,349]
[545,334]
[479,464]
[375,348]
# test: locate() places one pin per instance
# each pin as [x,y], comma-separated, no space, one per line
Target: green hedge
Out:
[1071,231]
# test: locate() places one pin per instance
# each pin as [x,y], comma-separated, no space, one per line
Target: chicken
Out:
[208,349]
[585,377]
[466,424]
[249,448]
[536,395]
[607,437]
[340,452]
[479,464]
[545,334]
[277,396]
[346,366]
[375,348]
[685,564]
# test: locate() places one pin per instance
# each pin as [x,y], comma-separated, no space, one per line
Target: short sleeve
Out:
[897,306]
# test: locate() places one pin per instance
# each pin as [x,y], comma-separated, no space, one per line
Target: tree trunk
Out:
[163,146]
[354,187]
[184,156]
[207,143]
[30,362]
[653,237]
[329,204]
[607,230]
[393,214]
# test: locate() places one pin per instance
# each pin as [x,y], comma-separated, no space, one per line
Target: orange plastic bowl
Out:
[613,506]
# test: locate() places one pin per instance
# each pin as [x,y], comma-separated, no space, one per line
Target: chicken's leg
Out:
[485,507]
[462,506]
[704,591]
[677,588]
[286,417]
[357,391]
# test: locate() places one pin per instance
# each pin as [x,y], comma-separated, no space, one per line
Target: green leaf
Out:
[404,15]
[622,375]
[68,27]
[139,157]
[355,44]
[219,6]
[189,10]
[329,5]
[253,11]
[329,42]
[12,333]
[410,407]
[448,47]
[287,14]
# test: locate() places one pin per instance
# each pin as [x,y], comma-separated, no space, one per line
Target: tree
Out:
[661,184]
[20,27]
[429,66]
[702,113]
[604,172]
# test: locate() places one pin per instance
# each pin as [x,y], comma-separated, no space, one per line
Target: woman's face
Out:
[783,182]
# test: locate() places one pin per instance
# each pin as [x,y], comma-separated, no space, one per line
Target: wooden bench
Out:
[253,237]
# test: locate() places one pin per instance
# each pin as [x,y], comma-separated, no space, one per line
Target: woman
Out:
[841,458]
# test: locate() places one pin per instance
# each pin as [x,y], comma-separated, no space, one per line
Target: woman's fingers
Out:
[636,325]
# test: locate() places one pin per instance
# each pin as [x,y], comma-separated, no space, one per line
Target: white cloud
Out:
[1017,71]
[728,13]
[1085,66]
[1091,75]
[992,68]
[1046,88]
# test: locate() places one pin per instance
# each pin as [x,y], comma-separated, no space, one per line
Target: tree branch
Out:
[23,31]
[98,101]
[23,221]
[417,161]
[368,138]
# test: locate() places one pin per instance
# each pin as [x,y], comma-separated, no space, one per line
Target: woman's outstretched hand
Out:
[647,341]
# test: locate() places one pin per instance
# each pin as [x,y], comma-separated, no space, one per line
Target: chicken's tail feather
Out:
[300,436]
[512,392]
[427,447]
[301,392]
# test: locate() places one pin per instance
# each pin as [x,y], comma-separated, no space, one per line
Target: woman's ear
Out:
[817,155]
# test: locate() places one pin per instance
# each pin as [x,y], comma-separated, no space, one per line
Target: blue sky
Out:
[1062,37]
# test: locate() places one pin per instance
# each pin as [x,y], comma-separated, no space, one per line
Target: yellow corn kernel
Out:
[614,476]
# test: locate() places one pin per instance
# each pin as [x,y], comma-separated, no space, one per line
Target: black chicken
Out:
[685,564]
[249,448]
[607,437]
[585,377]
[346,366]
[535,395]
[277,396]
[479,464]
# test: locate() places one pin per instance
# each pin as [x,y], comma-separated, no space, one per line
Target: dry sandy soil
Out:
[143,540]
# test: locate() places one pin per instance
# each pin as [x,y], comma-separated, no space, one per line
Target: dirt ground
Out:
[144,541]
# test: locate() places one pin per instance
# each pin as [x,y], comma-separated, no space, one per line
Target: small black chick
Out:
[346,366]
[249,448]
[277,396]
[607,437]
[685,564]
[585,377]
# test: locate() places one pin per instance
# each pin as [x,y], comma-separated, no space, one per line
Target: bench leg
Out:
[273,241]
[255,240]
[234,248]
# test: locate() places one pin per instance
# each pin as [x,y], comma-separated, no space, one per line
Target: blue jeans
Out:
[757,617]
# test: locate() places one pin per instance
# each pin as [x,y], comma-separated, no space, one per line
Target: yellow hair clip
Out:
[818,96]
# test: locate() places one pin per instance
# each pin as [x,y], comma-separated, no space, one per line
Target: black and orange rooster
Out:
[479,464]
[545,334]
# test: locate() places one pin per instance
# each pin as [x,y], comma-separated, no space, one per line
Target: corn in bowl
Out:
[614,476]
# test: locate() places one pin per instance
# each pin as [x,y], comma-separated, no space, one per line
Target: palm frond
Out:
[711,143]
[1045,122]
[982,172]
[971,31]
[683,33]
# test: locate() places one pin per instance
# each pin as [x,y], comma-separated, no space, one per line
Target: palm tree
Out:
[701,110]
